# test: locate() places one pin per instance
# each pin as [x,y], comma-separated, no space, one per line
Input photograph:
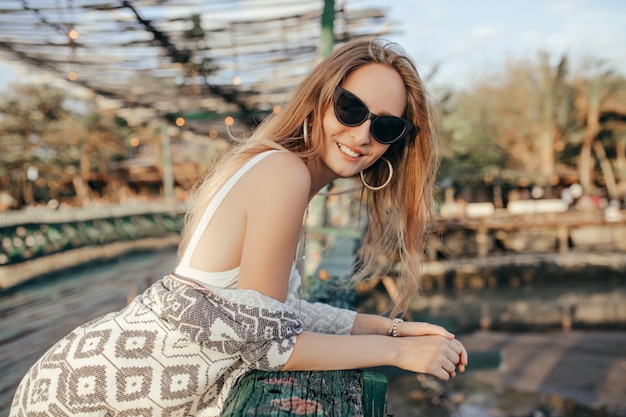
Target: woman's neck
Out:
[321,176]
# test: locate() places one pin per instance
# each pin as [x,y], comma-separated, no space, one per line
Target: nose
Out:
[361,133]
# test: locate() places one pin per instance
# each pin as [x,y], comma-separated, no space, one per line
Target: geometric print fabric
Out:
[176,350]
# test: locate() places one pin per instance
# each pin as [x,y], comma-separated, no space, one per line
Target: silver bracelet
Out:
[393,331]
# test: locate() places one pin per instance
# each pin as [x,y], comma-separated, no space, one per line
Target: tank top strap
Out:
[215,203]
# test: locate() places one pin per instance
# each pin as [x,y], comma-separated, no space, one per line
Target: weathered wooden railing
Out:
[324,393]
[529,232]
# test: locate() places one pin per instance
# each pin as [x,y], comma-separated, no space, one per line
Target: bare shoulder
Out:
[283,162]
[280,174]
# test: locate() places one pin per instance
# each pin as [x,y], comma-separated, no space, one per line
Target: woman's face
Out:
[348,150]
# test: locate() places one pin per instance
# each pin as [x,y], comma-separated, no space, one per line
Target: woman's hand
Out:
[431,349]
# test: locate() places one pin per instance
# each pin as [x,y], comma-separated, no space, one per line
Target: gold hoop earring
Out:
[380,187]
[305,132]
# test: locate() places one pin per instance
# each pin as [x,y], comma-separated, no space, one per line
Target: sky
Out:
[472,39]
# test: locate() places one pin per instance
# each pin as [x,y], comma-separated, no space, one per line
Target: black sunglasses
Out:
[351,111]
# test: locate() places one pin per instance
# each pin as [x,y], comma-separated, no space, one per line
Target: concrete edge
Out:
[15,274]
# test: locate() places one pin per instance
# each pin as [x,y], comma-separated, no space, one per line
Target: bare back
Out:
[257,225]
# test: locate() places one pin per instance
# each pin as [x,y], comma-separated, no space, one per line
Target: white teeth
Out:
[348,151]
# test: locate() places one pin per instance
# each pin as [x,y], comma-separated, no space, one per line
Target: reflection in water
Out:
[413,396]
[563,342]
[579,305]
[548,299]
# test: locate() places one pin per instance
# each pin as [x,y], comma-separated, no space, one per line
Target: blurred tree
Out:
[536,116]
[469,157]
[48,150]
[528,112]
[103,141]
[467,128]
[601,105]
[28,114]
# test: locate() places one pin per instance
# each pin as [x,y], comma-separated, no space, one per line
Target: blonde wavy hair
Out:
[399,216]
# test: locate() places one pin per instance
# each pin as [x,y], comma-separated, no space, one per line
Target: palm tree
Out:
[601,92]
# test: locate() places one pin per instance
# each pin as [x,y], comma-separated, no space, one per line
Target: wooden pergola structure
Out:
[199,59]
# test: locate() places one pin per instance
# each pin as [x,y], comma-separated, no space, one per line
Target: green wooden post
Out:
[374,394]
[317,207]
[327,38]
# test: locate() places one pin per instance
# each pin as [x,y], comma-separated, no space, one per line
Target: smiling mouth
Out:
[348,151]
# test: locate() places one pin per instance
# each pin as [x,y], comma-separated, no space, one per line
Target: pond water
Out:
[537,296]
[562,338]
[413,396]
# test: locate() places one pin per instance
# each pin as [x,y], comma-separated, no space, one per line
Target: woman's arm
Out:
[275,193]
[369,345]
[371,324]
[433,354]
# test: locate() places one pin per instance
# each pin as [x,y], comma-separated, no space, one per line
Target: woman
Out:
[231,304]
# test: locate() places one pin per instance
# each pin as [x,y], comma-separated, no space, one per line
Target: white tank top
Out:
[224,279]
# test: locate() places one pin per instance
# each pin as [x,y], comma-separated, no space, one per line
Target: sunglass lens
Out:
[350,110]
[388,129]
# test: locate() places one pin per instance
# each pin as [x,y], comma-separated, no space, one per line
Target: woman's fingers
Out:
[406,329]
[453,357]
[457,355]
[441,369]
[433,354]
[450,367]
[463,358]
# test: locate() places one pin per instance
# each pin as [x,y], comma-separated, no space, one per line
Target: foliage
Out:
[45,146]
[467,135]
[532,121]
